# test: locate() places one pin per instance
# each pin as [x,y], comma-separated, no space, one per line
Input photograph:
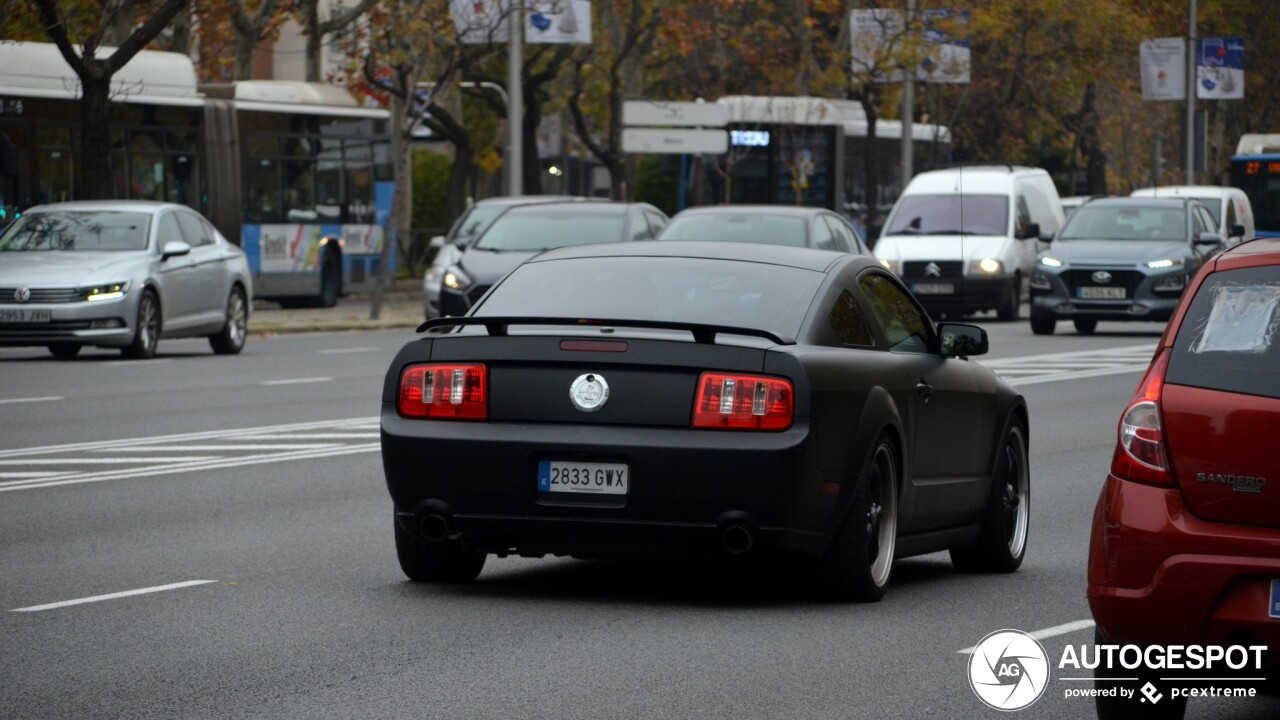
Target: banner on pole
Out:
[1220,69]
[1164,68]
[554,23]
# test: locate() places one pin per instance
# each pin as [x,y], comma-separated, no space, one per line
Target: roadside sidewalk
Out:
[401,308]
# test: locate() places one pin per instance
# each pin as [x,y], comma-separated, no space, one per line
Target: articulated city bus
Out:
[298,174]
[1255,169]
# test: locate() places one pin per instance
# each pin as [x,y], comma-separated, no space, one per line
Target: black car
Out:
[524,231]
[766,224]
[703,398]
[1121,259]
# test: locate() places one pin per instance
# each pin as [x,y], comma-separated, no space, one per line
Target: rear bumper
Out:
[686,486]
[1159,575]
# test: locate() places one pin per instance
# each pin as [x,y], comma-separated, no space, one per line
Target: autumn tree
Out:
[78,31]
[340,18]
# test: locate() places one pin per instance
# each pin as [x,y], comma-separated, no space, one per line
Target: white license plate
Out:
[1101,293]
[596,478]
[933,288]
[25,315]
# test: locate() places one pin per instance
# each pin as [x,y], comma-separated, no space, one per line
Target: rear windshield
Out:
[950,215]
[1126,222]
[706,291]
[535,230]
[1229,339]
[85,231]
[752,228]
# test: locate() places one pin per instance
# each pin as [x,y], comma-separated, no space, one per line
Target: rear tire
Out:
[64,350]
[859,562]
[1002,543]
[1010,302]
[1042,324]
[230,339]
[146,331]
[446,561]
[1086,326]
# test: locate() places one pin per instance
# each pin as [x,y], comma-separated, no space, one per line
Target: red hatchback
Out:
[1185,548]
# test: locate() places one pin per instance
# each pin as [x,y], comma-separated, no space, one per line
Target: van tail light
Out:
[1141,454]
[743,402]
[444,391]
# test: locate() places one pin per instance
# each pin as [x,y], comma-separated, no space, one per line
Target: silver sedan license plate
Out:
[1102,293]
[596,478]
[933,288]
[25,315]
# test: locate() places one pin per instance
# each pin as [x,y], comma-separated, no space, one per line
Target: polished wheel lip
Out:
[1017,504]
[882,516]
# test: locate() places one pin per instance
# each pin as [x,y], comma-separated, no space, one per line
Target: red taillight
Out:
[1140,453]
[743,402]
[444,392]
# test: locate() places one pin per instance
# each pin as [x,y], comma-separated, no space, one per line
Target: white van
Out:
[966,239]
[1229,206]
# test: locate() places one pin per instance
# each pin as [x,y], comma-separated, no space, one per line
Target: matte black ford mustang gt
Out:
[703,398]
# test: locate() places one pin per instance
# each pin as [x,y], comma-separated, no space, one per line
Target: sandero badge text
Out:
[1009,670]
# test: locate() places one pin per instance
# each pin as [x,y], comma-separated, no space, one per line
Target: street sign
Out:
[675,114]
[675,140]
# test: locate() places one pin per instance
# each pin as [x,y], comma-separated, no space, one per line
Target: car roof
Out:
[787,210]
[531,199]
[1155,202]
[148,206]
[802,258]
[1185,191]
[602,207]
[1250,253]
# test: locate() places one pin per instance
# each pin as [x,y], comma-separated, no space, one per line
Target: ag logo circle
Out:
[1009,670]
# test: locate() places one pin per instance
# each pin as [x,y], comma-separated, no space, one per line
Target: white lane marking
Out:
[216,464]
[251,432]
[1077,365]
[318,436]
[113,596]
[103,461]
[31,474]
[297,381]
[211,448]
[345,351]
[14,401]
[1046,633]
[1059,377]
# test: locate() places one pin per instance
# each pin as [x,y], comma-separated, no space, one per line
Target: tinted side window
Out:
[1232,221]
[822,237]
[849,323]
[167,230]
[1023,219]
[1040,207]
[904,327]
[842,234]
[1230,338]
[193,230]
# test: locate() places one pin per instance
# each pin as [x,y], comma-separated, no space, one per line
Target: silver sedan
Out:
[120,274]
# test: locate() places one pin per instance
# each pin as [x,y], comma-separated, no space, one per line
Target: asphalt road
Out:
[253,484]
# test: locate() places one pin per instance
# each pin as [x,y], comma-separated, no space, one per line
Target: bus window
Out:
[330,200]
[146,168]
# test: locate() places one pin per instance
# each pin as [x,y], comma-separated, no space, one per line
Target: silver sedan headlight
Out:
[105,291]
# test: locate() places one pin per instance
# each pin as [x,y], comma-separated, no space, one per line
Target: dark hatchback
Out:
[524,231]
[1121,259]
[698,398]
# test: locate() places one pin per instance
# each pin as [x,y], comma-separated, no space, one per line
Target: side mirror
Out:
[1046,237]
[436,243]
[960,340]
[1210,238]
[174,248]
[1030,231]
[1237,230]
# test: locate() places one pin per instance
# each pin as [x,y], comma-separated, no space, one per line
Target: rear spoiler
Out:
[497,326]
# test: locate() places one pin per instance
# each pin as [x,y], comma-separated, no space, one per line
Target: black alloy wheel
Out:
[1002,542]
[858,564]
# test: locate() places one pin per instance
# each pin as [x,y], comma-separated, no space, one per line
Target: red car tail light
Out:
[444,392]
[743,402]
[1141,454]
